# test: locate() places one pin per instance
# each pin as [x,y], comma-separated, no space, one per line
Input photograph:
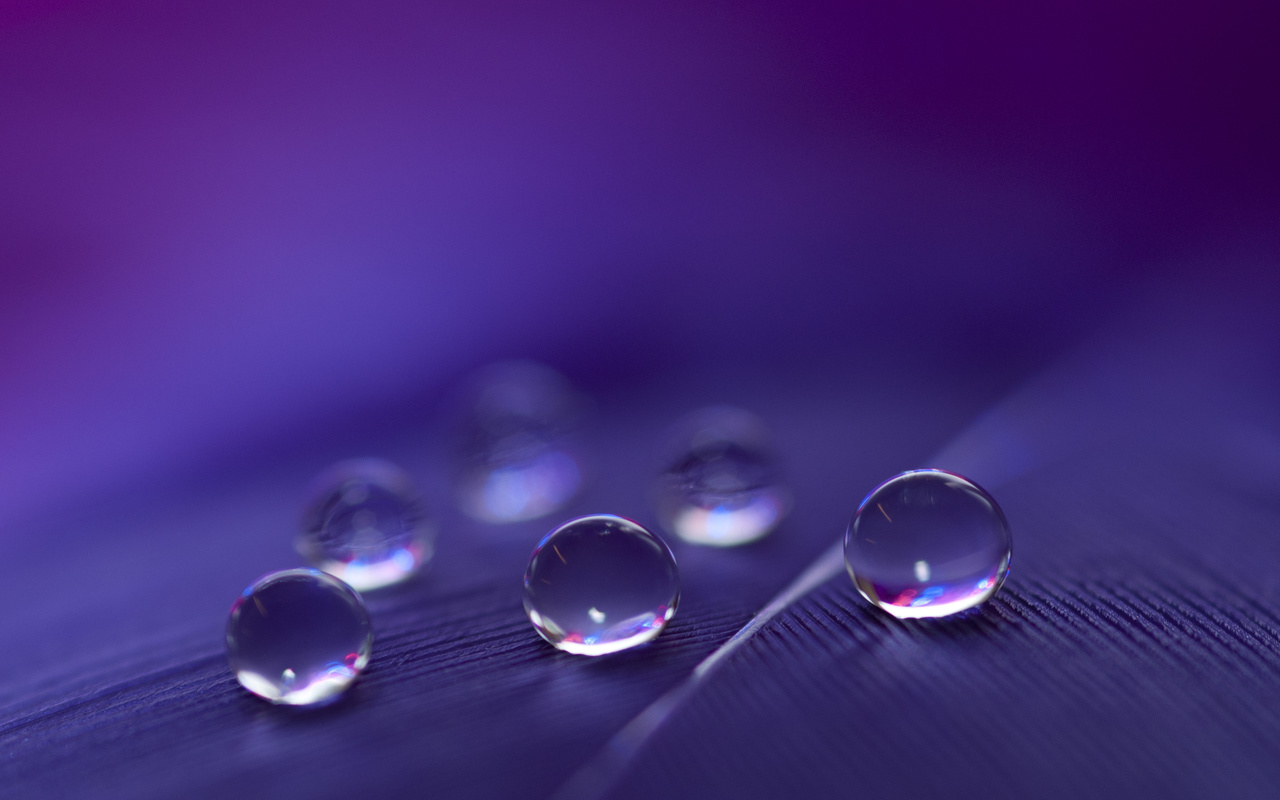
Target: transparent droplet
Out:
[516,446]
[365,523]
[600,584]
[298,637]
[928,543]
[720,482]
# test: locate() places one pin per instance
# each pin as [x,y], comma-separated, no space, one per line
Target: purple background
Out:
[224,224]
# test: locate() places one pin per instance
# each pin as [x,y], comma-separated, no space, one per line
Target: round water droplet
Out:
[365,523]
[298,637]
[928,543]
[516,449]
[600,584]
[720,480]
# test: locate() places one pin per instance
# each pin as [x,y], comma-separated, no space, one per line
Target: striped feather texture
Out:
[1134,650]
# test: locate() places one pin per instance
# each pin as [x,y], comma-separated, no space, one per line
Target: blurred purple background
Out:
[229,225]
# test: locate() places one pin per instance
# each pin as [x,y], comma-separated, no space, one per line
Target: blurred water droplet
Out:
[720,482]
[365,523]
[517,450]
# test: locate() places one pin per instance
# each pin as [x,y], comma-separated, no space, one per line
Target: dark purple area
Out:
[239,241]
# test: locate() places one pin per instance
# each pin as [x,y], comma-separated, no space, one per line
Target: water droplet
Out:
[928,543]
[720,480]
[516,451]
[298,637]
[600,584]
[365,523]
